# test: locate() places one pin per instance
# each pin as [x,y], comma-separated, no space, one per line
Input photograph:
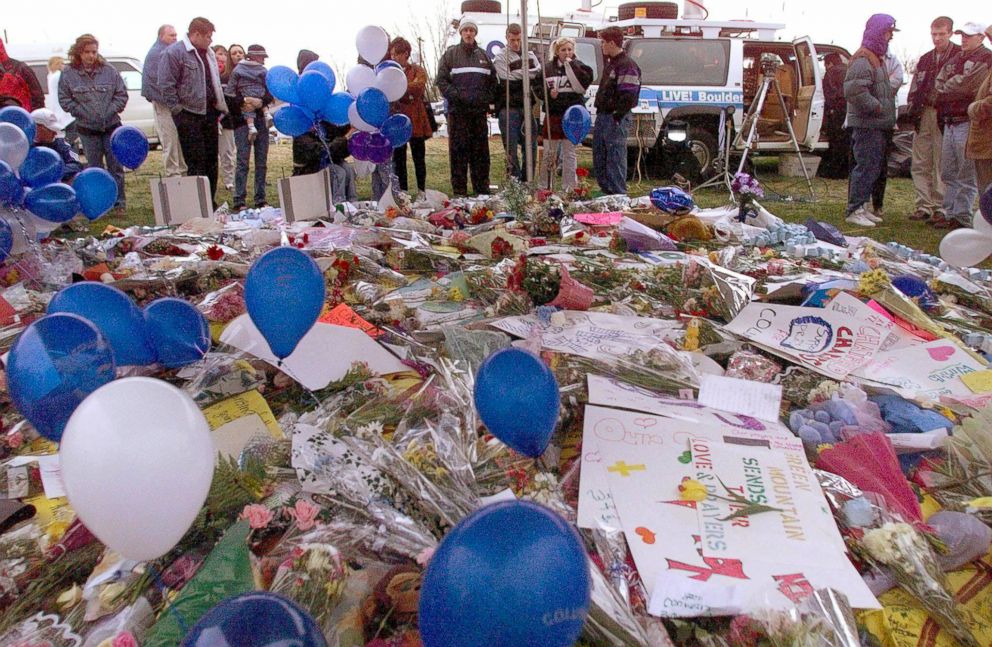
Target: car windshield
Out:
[680,61]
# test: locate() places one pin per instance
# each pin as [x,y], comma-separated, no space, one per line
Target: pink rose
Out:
[304,513]
[125,639]
[424,557]
[15,440]
[258,516]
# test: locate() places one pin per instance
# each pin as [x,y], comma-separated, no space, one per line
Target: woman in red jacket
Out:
[412,105]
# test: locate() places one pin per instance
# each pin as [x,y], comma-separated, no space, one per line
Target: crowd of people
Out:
[950,107]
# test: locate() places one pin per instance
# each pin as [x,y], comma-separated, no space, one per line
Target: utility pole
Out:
[525,66]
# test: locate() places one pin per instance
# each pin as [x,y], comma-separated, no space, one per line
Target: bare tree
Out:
[428,34]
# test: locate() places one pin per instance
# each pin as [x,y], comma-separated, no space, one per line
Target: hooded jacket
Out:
[465,77]
[870,99]
[18,81]
[95,96]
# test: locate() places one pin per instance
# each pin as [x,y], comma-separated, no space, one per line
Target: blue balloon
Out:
[372,106]
[55,363]
[511,573]
[384,64]
[322,68]
[96,191]
[54,202]
[314,90]
[576,123]
[21,118]
[130,146]
[42,166]
[397,129]
[11,189]
[281,82]
[292,121]
[284,293]
[336,110]
[114,314]
[256,619]
[178,332]
[6,239]
[517,397]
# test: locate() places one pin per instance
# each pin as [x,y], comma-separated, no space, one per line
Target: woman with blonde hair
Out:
[68,123]
[567,79]
[93,92]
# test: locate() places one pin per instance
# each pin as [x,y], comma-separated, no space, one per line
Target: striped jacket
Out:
[619,86]
[466,78]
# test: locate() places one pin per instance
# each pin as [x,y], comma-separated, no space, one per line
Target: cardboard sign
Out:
[930,370]
[835,340]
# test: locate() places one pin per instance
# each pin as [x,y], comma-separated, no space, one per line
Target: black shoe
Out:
[238,207]
[261,205]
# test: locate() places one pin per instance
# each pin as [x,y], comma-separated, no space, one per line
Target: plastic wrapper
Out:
[41,629]
[749,365]
[834,611]
[134,619]
[313,574]
[965,537]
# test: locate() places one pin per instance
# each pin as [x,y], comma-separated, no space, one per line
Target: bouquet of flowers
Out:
[314,575]
[746,190]
[581,190]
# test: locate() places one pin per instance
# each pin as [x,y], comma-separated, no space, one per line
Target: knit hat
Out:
[257,50]
[466,23]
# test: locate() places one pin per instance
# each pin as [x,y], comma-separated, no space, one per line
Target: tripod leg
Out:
[795,140]
[753,114]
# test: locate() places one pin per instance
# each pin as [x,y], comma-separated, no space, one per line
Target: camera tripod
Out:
[750,123]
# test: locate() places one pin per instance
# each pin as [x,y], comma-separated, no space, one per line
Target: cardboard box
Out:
[306,197]
[178,199]
[788,164]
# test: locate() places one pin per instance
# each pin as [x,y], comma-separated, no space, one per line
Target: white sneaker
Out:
[874,216]
[861,218]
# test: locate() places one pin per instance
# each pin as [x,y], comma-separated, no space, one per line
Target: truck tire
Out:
[482,6]
[705,147]
[655,10]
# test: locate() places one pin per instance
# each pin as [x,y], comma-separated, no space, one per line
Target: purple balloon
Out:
[358,146]
[380,150]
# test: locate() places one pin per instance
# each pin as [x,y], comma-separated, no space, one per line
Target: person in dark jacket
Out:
[834,162]
[567,79]
[509,99]
[871,112]
[619,89]
[165,127]
[465,77]
[94,93]
[957,85]
[18,82]
[48,134]
[928,136]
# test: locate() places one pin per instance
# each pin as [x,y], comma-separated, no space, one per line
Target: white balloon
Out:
[981,224]
[137,461]
[372,43]
[359,78]
[14,145]
[357,121]
[965,247]
[392,82]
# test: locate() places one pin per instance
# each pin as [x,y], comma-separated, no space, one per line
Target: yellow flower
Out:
[692,490]
[981,502]
[70,598]
[822,447]
[454,294]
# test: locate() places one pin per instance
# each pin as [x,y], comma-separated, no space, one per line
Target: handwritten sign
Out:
[835,340]
[931,370]
[343,315]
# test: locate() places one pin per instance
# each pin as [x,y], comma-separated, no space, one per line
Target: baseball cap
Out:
[48,119]
[971,29]
[256,50]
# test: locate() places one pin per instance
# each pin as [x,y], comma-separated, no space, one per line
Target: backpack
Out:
[12,85]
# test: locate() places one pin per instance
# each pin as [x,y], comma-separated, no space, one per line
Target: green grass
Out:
[831,195]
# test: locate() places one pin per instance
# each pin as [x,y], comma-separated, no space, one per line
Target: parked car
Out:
[138,112]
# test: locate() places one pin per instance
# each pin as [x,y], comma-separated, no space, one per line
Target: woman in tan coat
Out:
[412,105]
[979,146]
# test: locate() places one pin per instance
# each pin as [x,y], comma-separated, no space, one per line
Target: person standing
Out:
[165,127]
[509,99]
[896,74]
[65,120]
[465,77]
[619,89]
[191,89]
[247,83]
[835,164]
[413,106]
[957,85]
[94,93]
[567,79]
[979,146]
[18,82]
[871,111]
[225,144]
[928,136]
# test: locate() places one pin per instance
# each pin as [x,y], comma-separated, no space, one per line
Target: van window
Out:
[678,61]
[130,74]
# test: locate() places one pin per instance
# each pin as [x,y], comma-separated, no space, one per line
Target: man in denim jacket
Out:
[172,156]
[190,83]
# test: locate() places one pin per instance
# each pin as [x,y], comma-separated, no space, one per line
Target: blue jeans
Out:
[343,187]
[609,152]
[868,148]
[261,161]
[958,174]
[97,150]
[513,138]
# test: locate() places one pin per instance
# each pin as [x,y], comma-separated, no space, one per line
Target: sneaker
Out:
[860,217]
[875,215]
[919,215]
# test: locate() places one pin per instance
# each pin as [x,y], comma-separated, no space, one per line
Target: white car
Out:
[138,112]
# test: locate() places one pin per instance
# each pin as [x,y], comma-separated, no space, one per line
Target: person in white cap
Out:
[48,134]
[957,84]
[466,78]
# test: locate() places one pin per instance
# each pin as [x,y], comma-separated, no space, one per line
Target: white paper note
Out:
[746,397]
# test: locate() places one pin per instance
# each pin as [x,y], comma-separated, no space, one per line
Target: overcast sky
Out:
[329,27]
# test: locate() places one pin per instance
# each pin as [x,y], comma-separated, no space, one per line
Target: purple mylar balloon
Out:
[379,149]
[358,146]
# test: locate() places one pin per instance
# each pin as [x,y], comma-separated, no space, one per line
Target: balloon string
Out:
[183,627]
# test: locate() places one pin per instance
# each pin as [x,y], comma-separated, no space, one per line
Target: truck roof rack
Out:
[657,27]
